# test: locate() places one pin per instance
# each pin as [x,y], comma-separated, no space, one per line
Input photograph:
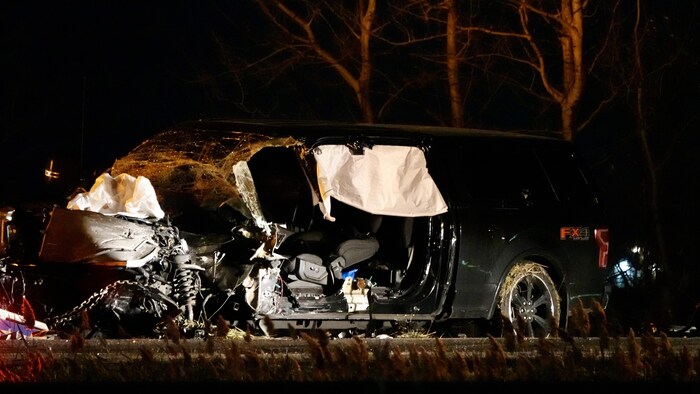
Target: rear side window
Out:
[501,175]
[565,174]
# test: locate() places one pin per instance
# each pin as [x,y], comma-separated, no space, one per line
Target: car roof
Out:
[314,132]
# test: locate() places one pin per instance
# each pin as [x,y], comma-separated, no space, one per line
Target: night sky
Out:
[101,75]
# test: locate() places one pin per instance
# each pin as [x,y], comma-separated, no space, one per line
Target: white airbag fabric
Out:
[123,194]
[385,180]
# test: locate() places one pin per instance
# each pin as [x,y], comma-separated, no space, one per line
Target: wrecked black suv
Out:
[282,225]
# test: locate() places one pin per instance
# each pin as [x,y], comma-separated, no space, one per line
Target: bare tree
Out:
[660,138]
[534,45]
[528,41]
[332,34]
[339,36]
[452,61]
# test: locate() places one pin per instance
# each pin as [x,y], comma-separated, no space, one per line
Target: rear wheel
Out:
[529,300]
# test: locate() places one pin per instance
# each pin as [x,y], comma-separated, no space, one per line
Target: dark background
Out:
[90,80]
[83,82]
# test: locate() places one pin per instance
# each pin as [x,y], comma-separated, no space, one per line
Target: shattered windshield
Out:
[196,167]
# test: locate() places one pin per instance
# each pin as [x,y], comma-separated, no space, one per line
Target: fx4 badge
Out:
[574,233]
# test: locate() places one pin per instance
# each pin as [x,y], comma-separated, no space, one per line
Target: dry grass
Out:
[508,359]
[543,360]
[629,360]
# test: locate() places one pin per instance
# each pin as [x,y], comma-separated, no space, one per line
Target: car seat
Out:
[352,233]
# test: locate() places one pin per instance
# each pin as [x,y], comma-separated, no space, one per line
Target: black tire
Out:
[529,299]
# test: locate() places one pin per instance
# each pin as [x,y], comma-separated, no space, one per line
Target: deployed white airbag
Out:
[385,180]
[123,194]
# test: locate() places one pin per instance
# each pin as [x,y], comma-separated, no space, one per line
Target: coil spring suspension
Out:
[186,287]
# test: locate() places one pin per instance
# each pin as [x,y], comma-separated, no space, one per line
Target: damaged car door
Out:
[369,249]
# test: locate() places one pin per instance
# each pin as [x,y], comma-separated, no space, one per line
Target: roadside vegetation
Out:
[558,357]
